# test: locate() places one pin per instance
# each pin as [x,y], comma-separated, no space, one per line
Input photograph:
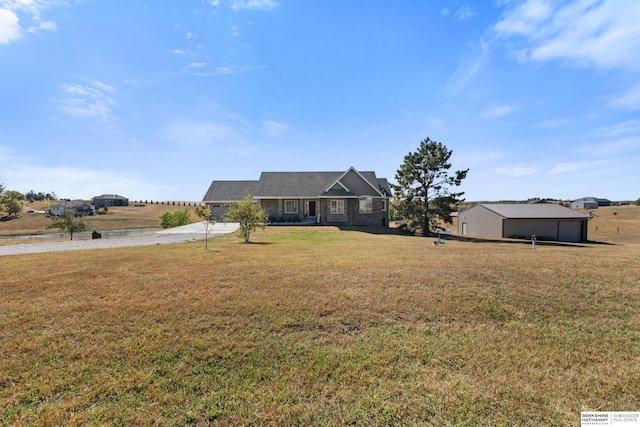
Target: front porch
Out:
[292,211]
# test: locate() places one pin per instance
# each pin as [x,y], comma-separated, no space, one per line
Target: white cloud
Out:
[254,4]
[444,12]
[434,121]
[91,100]
[628,127]
[44,25]
[197,65]
[274,128]
[597,33]
[467,69]
[516,171]
[563,167]
[224,70]
[499,111]
[525,18]
[12,10]
[550,124]
[628,101]
[463,13]
[205,133]
[9,26]
[232,69]
[619,141]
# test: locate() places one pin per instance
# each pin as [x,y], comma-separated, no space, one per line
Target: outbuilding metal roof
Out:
[525,210]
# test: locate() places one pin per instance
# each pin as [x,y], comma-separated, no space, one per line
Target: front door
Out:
[312,208]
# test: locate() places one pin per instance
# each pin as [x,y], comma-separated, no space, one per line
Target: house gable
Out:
[337,189]
[354,183]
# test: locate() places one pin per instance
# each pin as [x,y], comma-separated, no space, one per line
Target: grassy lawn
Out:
[321,326]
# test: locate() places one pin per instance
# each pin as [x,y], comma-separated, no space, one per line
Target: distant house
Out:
[109,200]
[74,208]
[338,198]
[544,220]
[589,203]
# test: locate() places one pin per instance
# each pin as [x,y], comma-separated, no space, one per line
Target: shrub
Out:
[175,218]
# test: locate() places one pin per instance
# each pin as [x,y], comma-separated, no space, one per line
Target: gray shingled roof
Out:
[384,186]
[230,191]
[288,185]
[525,210]
[295,184]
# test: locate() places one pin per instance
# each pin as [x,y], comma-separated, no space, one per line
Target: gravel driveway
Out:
[185,233]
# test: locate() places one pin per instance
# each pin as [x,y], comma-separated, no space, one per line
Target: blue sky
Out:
[154,99]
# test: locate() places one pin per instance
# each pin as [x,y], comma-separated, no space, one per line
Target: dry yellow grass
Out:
[117,218]
[320,326]
[615,224]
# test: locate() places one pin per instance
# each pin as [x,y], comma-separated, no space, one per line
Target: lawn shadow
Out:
[478,239]
[374,230]
[470,239]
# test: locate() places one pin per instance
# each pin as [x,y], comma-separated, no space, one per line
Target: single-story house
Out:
[109,200]
[589,203]
[333,198]
[546,221]
[75,208]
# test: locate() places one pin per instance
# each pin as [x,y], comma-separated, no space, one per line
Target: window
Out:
[366,205]
[290,206]
[337,207]
[384,204]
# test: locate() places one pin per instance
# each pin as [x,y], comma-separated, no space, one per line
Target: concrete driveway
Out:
[185,233]
[198,228]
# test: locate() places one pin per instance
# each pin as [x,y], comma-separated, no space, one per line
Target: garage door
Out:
[570,231]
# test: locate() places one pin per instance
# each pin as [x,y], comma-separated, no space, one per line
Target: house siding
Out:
[327,218]
[218,210]
[276,208]
[373,219]
[352,215]
[271,206]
